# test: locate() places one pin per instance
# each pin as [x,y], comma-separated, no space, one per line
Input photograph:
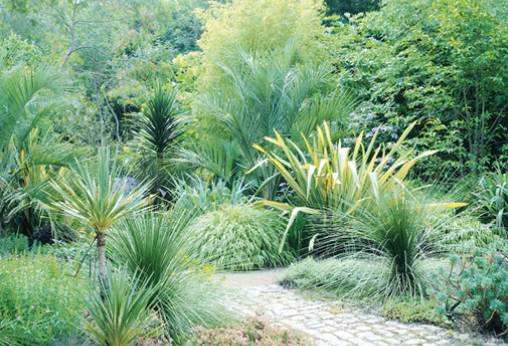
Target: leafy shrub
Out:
[249,333]
[440,63]
[123,315]
[477,286]
[256,27]
[463,232]
[13,244]
[493,197]
[157,248]
[240,237]
[39,301]
[201,195]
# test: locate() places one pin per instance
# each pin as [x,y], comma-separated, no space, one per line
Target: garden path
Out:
[257,294]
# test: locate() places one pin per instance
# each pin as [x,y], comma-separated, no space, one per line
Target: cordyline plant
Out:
[96,194]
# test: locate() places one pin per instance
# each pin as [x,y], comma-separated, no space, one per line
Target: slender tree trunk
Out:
[103,273]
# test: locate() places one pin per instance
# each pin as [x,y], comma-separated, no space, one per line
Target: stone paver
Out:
[327,327]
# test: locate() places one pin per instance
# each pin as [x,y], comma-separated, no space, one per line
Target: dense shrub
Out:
[441,63]
[477,286]
[40,302]
[13,244]
[240,237]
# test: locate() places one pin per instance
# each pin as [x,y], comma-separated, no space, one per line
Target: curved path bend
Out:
[257,294]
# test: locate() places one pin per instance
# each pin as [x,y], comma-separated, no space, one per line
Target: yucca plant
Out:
[157,247]
[160,131]
[123,315]
[96,194]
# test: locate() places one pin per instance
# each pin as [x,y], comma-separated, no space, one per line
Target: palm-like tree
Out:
[27,96]
[97,194]
[161,129]
[264,94]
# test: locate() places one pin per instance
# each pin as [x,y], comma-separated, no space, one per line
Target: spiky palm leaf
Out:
[159,248]
[161,129]
[26,96]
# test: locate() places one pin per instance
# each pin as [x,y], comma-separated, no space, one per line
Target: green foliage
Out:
[123,316]
[158,248]
[396,230]
[13,244]
[266,93]
[240,237]
[39,300]
[257,28]
[345,277]
[27,97]
[15,51]
[441,63]
[160,132]
[202,196]
[96,193]
[476,286]
[323,174]
[493,197]
[409,310]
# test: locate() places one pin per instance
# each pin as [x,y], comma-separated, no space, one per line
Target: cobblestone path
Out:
[327,325]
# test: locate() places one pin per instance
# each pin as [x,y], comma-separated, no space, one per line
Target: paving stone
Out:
[328,325]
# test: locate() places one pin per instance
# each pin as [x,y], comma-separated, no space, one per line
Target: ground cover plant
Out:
[146,145]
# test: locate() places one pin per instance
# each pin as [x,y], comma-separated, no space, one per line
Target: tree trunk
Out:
[103,272]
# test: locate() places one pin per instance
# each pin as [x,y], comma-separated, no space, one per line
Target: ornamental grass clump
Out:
[157,248]
[240,237]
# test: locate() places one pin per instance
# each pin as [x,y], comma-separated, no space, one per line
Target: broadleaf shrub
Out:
[441,63]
